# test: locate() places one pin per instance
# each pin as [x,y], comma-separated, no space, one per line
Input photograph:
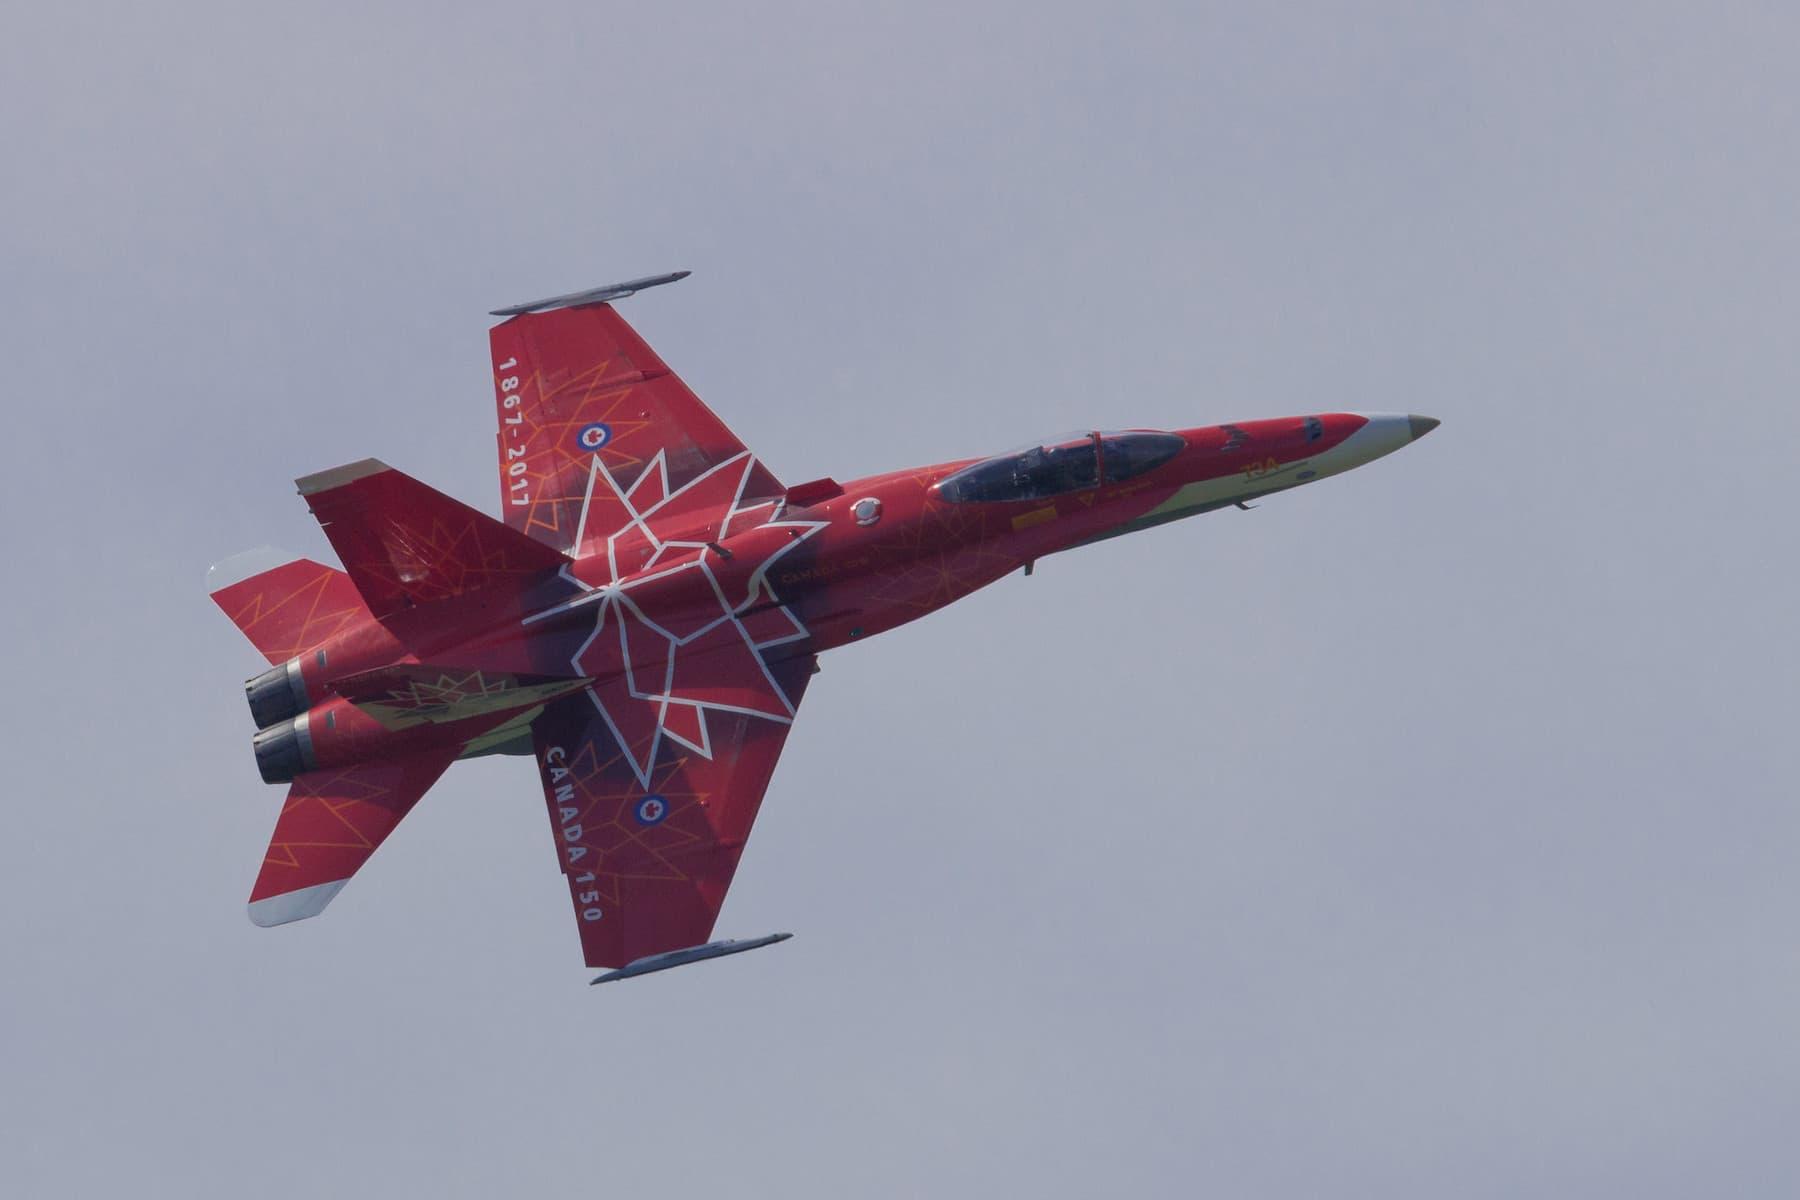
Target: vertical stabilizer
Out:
[403,543]
[285,607]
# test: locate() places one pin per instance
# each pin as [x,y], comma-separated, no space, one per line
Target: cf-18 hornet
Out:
[644,618]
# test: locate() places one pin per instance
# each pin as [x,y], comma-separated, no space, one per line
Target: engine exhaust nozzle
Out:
[277,695]
[284,751]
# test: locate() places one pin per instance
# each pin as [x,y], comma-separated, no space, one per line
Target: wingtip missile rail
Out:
[599,295]
[680,958]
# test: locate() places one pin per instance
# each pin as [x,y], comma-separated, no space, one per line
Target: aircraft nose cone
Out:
[1419,426]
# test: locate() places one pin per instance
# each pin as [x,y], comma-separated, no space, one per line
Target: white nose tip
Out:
[1384,434]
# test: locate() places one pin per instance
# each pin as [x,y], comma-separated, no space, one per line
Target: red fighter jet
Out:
[644,618]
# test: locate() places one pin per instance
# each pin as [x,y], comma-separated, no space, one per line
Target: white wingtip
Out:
[240,567]
[294,906]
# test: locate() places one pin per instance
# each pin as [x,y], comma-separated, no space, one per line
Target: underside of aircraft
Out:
[645,615]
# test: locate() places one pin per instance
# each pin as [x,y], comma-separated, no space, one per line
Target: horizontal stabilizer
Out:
[285,608]
[403,543]
[599,295]
[330,823]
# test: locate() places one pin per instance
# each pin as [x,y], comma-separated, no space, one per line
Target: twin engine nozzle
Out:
[278,694]
[278,704]
[285,750]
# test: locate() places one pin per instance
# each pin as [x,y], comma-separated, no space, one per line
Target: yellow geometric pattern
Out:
[431,695]
[289,610]
[333,820]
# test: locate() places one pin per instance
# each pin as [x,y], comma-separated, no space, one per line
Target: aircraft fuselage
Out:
[828,566]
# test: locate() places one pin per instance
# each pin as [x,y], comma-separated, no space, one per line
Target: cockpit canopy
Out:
[1070,463]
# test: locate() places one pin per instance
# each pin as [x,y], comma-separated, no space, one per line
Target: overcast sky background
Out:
[1427,832]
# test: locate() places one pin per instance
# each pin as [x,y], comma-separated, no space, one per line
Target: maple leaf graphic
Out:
[682,626]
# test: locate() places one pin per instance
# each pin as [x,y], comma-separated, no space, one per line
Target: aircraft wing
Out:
[577,386]
[648,862]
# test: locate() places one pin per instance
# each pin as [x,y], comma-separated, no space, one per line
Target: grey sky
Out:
[1428,832]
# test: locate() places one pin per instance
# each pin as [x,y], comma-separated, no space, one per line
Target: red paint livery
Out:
[646,616]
